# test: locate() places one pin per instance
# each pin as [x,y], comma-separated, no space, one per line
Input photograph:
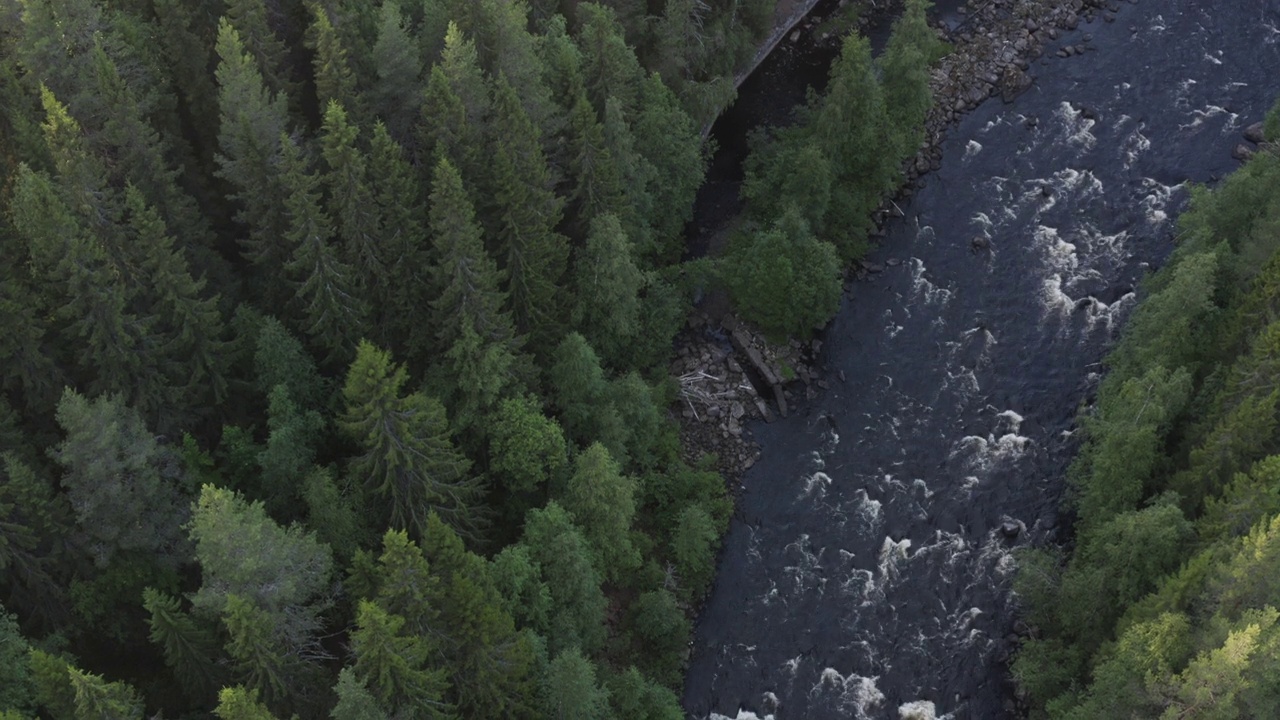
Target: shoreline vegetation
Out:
[1164,602]
[336,372]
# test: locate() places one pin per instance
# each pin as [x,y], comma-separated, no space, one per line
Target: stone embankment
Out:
[727,373]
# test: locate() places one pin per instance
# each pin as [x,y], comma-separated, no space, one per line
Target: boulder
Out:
[1242,152]
[1254,134]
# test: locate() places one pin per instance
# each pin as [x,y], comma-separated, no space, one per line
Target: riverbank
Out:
[725,384]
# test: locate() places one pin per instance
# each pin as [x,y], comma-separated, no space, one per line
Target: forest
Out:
[333,373]
[1166,603]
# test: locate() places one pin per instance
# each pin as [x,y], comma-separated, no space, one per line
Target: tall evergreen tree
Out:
[252,119]
[394,665]
[596,181]
[252,24]
[331,311]
[609,66]
[238,703]
[399,201]
[607,284]
[193,324]
[474,329]
[125,488]
[351,203]
[396,96]
[335,81]
[408,457]
[533,253]
[98,699]
[577,603]
[602,502]
[189,649]
[489,663]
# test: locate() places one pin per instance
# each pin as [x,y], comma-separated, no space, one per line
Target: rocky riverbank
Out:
[729,374]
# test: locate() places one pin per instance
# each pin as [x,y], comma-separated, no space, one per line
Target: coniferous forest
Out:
[1165,606]
[335,339]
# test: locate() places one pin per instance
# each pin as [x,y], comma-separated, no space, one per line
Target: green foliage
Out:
[527,449]
[124,487]
[17,692]
[355,702]
[658,621]
[392,666]
[602,502]
[189,649]
[97,699]
[632,695]
[572,691]
[783,279]
[408,456]
[693,547]
[577,604]
[237,703]
[278,577]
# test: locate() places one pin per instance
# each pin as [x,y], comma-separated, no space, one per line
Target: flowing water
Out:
[866,574]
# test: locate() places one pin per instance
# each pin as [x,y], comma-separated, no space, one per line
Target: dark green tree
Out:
[577,603]
[527,211]
[396,96]
[336,83]
[394,666]
[330,309]
[189,649]
[252,119]
[602,502]
[408,456]
[526,448]
[608,285]
[572,691]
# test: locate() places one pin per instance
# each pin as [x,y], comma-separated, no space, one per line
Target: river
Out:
[865,574]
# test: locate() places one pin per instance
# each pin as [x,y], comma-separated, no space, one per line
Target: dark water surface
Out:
[865,575]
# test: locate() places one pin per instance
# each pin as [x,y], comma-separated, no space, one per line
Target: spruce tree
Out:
[269,53]
[252,119]
[330,311]
[399,201]
[578,605]
[394,666]
[96,698]
[396,96]
[474,330]
[670,141]
[190,650]
[408,458]
[350,201]
[489,663]
[596,181]
[607,284]
[609,67]
[533,253]
[335,81]
[192,322]
[238,703]
[572,691]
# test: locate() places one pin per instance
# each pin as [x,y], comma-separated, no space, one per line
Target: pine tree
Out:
[252,118]
[396,96]
[25,353]
[16,688]
[189,650]
[35,521]
[394,665]
[527,212]
[332,313]
[408,457]
[290,449]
